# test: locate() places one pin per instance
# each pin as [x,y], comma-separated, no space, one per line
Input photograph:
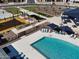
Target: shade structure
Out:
[13,53]
[64,17]
[67,29]
[72,12]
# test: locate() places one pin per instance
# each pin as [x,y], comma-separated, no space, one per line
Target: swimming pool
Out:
[53,48]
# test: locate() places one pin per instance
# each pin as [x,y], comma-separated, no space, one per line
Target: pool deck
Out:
[24,45]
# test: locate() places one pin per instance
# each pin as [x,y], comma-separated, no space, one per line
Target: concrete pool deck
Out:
[24,45]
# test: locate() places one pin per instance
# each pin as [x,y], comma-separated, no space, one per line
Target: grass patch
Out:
[13,10]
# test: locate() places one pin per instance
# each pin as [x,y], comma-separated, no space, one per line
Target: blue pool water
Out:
[53,48]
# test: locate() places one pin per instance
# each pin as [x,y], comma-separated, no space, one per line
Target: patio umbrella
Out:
[72,14]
